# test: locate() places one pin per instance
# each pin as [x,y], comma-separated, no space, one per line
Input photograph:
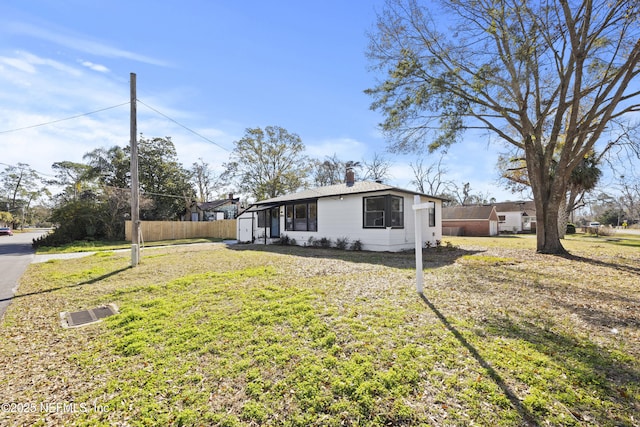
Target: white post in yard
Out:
[417,211]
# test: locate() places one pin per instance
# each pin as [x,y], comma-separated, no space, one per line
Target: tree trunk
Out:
[548,193]
[563,218]
[548,237]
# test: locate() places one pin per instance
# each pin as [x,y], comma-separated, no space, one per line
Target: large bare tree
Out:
[430,179]
[377,169]
[551,78]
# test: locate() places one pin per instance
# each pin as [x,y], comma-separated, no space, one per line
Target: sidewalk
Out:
[71,255]
[47,257]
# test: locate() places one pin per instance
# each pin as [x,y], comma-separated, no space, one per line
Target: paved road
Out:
[15,255]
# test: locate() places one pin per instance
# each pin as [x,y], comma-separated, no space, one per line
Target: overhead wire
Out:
[181,125]
[64,119]
[27,169]
[116,106]
[105,109]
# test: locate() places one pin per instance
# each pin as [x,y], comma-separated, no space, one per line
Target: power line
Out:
[112,107]
[66,118]
[183,126]
[27,169]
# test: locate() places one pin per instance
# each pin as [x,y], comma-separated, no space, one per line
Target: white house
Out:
[377,215]
[516,217]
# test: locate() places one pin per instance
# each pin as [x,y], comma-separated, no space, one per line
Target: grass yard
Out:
[286,336]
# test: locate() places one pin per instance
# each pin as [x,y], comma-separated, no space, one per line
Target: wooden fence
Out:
[173,230]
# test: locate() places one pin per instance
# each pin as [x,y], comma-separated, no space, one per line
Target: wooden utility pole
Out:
[135,194]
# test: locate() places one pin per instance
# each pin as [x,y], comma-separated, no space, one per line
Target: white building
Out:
[377,215]
[516,217]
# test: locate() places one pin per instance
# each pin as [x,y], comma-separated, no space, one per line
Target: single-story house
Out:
[470,221]
[214,210]
[516,217]
[377,215]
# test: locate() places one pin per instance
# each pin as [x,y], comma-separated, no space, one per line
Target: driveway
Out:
[15,255]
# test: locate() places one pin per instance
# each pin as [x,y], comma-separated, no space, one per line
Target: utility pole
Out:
[135,194]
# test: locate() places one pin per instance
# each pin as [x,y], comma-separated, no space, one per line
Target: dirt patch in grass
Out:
[299,336]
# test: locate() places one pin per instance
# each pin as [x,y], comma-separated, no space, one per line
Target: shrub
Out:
[325,242]
[356,245]
[571,229]
[311,241]
[342,243]
[284,240]
[606,231]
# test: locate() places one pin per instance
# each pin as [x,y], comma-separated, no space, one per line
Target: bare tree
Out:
[21,185]
[630,198]
[377,169]
[204,179]
[549,78]
[330,171]
[430,179]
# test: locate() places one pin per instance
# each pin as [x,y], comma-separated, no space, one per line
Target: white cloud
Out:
[19,64]
[95,67]
[79,42]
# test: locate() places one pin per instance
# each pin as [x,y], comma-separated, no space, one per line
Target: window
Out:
[301,217]
[374,211]
[432,214]
[262,219]
[397,212]
[312,224]
[383,211]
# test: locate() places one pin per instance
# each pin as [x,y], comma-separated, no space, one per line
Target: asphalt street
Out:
[15,256]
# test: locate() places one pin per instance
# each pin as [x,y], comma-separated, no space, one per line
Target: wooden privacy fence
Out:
[173,230]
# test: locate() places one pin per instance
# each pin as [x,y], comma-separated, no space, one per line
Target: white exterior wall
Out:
[512,222]
[342,218]
[493,228]
[246,223]
[339,219]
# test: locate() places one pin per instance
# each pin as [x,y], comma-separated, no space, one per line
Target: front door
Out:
[275,222]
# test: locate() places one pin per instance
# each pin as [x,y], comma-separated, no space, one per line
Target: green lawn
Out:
[284,336]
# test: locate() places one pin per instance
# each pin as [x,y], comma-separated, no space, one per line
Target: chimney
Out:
[230,196]
[350,177]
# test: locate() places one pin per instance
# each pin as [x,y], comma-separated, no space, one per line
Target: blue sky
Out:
[216,67]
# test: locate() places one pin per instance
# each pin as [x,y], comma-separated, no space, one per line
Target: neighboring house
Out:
[215,210]
[516,217]
[470,221]
[377,215]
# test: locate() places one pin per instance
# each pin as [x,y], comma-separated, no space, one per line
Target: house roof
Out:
[467,212]
[205,206]
[358,187]
[528,205]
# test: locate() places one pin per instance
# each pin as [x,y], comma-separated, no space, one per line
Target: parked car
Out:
[6,231]
[594,224]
